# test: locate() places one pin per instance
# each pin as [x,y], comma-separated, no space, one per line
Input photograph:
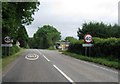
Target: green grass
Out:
[7,60]
[51,48]
[99,60]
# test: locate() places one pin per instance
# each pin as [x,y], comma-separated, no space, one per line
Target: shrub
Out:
[76,47]
[6,51]
[108,48]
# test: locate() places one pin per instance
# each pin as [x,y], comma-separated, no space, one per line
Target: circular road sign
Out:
[88,38]
[7,39]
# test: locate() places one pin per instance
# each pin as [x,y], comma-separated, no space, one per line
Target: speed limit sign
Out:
[7,39]
[88,38]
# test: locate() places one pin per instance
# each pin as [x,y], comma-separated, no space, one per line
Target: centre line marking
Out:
[68,78]
[46,58]
[39,52]
[43,55]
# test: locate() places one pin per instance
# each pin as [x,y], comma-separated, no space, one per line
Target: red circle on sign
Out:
[88,38]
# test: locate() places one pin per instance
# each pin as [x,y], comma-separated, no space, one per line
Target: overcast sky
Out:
[68,15]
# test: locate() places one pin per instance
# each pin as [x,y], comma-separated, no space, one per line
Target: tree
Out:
[70,39]
[15,14]
[116,31]
[46,37]
[22,37]
[98,30]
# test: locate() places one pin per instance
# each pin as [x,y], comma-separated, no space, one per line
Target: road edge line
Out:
[99,67]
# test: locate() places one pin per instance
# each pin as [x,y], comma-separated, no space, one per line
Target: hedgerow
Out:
[108,48]
[6,51]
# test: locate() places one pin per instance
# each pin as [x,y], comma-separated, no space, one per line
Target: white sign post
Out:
[88,40]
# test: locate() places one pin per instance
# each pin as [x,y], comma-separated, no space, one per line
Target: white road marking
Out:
[99,67]
[43,55]
[32,56]
[46,58]
[39,52]
[68,78]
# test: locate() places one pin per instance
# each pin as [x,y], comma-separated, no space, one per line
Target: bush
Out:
[6,51]
[76,47]
[108,48]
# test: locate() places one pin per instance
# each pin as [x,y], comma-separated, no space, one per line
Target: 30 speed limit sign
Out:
[88,38]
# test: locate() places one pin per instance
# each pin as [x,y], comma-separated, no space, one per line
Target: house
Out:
[62,45]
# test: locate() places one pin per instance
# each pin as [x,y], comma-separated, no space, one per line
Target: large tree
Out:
[99,30]
[15,14]
[46,37]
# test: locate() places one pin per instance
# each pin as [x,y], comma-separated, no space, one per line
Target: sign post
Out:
[8,44]
[87,40]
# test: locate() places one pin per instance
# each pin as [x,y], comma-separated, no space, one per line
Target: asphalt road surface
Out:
[37,65]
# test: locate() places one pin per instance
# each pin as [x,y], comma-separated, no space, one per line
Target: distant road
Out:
[37,65]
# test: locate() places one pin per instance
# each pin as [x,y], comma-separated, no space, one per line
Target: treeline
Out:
[45,37]
[15,15]
[106,40]
[100,30]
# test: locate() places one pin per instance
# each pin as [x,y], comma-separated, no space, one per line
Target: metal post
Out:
[5,52]
[8,51]
[85,51]
[89,50]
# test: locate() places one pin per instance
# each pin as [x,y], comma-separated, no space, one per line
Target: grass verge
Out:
[7,60]
[51,48]
[102,61]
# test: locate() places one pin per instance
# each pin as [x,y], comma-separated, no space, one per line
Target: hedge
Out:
[109,47]
[6,51]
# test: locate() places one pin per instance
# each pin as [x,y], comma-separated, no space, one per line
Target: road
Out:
[37,65]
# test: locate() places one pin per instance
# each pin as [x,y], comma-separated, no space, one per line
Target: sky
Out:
[69,15]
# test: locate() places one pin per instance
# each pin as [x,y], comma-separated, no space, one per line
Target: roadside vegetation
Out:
[9,55]
[7,51]
[102,47]
[8,59]
[99,60]
[106,44]
[15,15]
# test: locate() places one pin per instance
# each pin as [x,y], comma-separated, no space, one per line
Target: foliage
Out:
[46,37]
[108,48]
[31,42]
[76,47]
[22,37]
[14,16]
[7,60]
[99,60]
[70,39]
[99,30]
[9,50]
